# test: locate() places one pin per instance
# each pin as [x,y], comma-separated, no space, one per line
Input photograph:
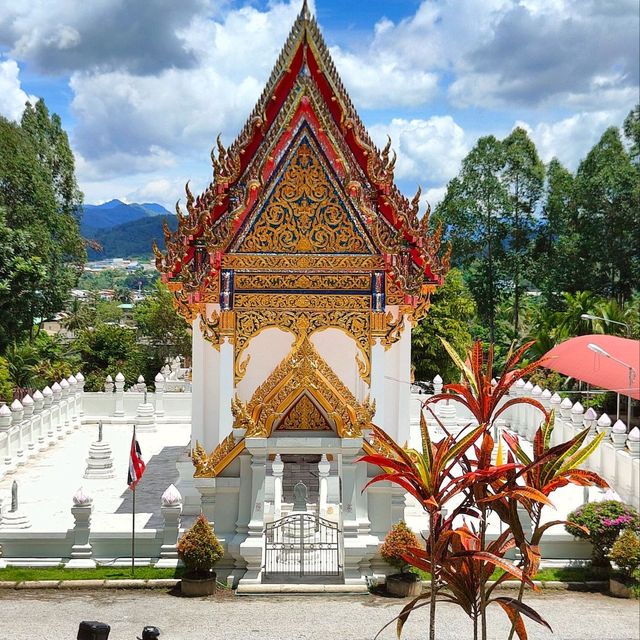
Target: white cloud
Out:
[429,151]
[12,96]
[570,139]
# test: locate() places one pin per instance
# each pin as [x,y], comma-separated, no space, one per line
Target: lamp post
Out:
[632,374]
[589,316]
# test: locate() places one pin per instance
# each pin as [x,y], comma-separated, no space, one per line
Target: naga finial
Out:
[190,197]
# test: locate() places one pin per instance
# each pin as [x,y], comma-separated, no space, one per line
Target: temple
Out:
[302,270]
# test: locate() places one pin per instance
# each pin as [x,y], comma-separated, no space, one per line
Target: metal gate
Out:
[302,545]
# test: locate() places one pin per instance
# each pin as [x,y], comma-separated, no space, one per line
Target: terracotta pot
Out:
[404,585]
[620,589]
[198,586]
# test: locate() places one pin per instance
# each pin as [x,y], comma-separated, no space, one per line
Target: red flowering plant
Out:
[458,472]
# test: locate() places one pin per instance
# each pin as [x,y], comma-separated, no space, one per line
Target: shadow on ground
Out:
[159,474]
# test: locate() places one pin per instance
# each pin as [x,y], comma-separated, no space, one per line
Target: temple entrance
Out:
[302,546]
[300,468]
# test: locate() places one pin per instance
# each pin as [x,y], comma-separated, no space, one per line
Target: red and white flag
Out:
[136,465]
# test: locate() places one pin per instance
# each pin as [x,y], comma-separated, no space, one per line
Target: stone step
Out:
[288,589]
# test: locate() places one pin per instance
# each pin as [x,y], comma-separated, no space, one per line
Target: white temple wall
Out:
[267,350]
[339,351]
[398,387]
[205,392]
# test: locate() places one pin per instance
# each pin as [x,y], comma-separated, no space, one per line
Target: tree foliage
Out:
[452,309]
[42,251]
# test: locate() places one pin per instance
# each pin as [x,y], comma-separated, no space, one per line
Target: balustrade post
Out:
[64,404]
[159,395]
[171,509]
[57,409]
[119,410]
[80,380]
[81,551]
[619,435]
[28,406]
[17,413]
[5,427]
[74,423]
[38,409]
[633,442]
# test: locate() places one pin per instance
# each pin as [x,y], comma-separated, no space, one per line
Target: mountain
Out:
[132,239]
[114,213]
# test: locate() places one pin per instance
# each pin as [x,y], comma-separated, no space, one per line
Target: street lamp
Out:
[632,374]
[589,316]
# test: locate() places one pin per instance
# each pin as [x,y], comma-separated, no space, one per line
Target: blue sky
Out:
[145,86]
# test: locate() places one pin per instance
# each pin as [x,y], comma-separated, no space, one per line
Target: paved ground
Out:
[48,481]
[55,616]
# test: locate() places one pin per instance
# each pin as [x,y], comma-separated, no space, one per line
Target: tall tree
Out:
[609,217]
[472,211]
[523,179]
[556,253]
[631,129]
[39,197]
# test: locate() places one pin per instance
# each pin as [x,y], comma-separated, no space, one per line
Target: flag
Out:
[136,465]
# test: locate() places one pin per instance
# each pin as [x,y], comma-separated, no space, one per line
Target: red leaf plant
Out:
[456,472]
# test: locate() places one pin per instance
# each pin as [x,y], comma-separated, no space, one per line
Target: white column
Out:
[119,410]
[277,468]
[377,381]
[56,410]
[323,475]
[258,450]
[226,389]
[362,500]
[348,476]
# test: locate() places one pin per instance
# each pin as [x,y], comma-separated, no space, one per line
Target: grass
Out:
[20,574]
[560,574]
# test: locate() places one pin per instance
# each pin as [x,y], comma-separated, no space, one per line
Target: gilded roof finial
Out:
[304,12]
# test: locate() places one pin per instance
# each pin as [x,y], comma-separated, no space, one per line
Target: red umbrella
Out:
[608,362]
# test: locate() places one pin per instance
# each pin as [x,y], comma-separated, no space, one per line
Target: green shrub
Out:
[6,387]
[199,548]
[625,553]
[604,521]
[398,541]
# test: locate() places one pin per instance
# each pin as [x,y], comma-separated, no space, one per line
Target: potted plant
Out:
[625,554]
[397,544]
[199,549]
[604,522]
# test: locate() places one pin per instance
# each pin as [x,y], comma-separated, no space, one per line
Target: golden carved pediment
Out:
[304,209]
[304,415]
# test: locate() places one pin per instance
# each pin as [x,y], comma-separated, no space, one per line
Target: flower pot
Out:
[620,589]
[404,585]
[198,586]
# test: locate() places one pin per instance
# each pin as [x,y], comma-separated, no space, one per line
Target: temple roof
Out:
[304,103]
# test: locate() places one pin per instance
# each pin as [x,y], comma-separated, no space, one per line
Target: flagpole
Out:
[133,522]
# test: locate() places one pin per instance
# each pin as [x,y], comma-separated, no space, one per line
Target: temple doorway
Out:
[301,468]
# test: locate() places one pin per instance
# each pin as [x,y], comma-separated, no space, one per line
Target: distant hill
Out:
[132,239]
[114,213]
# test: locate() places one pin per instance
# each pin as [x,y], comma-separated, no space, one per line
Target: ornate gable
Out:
[361,214]
[303,209]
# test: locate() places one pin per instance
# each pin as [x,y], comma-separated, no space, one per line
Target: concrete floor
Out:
[55,616]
